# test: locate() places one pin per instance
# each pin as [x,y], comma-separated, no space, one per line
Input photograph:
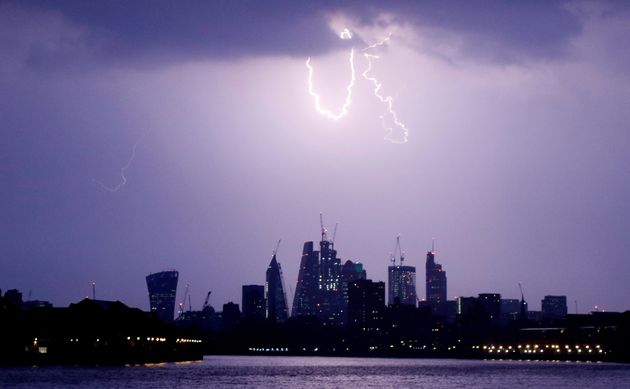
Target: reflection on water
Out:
[317,372]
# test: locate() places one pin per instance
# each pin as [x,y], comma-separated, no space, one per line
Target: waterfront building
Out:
[435,281]
[275,297]
[554,307]
[253,302]
[162,290]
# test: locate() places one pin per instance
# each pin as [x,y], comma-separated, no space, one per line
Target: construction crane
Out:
[205,303]
[523,312]
[321,224]
[397,250]
[183,302]
[275,250]
[332,241]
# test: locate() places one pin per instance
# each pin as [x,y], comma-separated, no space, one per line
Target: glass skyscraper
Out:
[162,290]
[276,299]
[435,281]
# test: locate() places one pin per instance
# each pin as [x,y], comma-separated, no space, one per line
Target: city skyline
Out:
[191,137]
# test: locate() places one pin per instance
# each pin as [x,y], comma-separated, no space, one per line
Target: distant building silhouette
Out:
[276,300]
[307,288]
[491,303]
[14,297]
[230,316]
[435,281]
[402,285]
[554,307]
[511,309]
[366,304]
[162,290]
[253,302]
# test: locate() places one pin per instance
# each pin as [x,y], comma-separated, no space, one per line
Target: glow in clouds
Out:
[123,178]
[387,100]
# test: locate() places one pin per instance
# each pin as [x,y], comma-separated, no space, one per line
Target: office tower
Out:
[554,307]
[307,288]
[276,299]
[366,303]
[402,285]
[253,302]
[435,281]
[162,289]
[350,271]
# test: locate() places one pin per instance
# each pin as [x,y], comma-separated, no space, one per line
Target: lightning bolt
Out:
[387,100]
[344,108]
[123,177]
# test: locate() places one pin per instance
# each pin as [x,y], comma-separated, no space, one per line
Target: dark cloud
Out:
[172,31]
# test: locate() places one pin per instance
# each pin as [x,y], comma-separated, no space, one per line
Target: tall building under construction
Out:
[162,290]
[401,280]
[322,283]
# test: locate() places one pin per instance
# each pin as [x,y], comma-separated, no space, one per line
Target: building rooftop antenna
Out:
[433,245]
[93,290]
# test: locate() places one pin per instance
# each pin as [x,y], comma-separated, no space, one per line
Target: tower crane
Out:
[205,303]
[332,241]
[275,250]
[321,224]
[397,250]
[183,302]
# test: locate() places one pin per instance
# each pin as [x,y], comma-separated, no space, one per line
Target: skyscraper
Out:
[402,284]
[162,289]
[350,272]
[319,290]
[307,288]
[276,299]
[253,302]
[435,281]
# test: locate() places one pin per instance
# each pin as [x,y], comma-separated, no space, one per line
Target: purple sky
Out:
[518,158]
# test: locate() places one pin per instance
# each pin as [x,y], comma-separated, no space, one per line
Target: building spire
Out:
[433,245]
